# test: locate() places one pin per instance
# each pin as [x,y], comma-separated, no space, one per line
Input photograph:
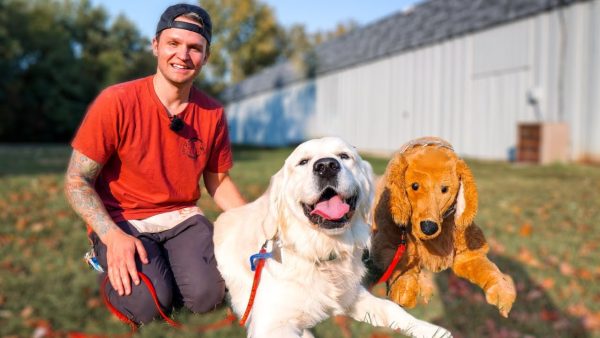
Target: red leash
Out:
[388,273]
[44,325]
[261,257]
[399,252]
[124,318]
[214,326]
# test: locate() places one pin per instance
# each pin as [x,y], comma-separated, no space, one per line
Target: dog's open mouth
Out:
[331,211]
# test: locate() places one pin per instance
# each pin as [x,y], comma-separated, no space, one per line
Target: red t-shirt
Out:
[148,168]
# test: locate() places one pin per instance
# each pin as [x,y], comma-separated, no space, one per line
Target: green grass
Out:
[543,224]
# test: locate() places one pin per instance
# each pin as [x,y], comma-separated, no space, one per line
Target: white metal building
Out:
[465,70]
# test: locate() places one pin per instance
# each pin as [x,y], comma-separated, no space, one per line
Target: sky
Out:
[316,15]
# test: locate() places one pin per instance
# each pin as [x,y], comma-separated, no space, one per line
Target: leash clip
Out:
[262,254]
[403,235]
[91,259]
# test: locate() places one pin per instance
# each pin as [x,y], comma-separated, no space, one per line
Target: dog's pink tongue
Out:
[332,209]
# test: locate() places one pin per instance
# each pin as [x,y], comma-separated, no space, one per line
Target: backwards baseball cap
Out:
[167,20]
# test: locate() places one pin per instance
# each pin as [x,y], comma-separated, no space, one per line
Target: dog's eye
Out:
[344,156]
[303,161]
[444,189]
[415,186]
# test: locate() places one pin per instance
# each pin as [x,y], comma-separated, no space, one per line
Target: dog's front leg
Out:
[382,312]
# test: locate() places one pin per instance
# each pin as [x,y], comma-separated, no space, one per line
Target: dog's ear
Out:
[398,203]
[466,199]
[366,184]
[275,198]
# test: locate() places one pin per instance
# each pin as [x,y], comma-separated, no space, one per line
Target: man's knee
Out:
[204,297]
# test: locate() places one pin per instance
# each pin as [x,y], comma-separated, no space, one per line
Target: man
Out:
[134,174]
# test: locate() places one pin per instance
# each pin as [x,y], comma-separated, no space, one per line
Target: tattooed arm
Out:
[121,247]
[79,188]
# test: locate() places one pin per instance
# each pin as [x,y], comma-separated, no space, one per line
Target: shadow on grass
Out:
[534,313]
[248,153]
[33,159]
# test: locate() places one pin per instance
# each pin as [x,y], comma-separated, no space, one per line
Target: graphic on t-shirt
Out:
[193,147]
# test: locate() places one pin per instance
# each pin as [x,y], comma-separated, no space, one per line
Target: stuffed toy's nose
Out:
[429,227]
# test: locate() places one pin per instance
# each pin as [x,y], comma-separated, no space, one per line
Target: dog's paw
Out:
[404,291]
[423,329]
[502,294]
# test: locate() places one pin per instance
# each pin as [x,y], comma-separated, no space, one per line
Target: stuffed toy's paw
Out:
[404,290]
[426,286]
[502,294]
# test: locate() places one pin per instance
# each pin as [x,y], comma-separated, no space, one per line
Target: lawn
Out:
[543,224]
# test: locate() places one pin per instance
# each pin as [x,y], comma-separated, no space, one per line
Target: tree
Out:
[55,58]
[340,29]
[246,39]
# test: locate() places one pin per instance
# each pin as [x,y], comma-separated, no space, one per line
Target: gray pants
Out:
[182,268]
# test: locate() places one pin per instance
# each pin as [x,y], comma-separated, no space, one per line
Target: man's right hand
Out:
[120,258]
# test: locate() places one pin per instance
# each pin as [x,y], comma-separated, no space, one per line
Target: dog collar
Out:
[278,247]
[450,211]
[275,247]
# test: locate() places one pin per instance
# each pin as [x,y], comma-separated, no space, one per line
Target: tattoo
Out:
[79,189]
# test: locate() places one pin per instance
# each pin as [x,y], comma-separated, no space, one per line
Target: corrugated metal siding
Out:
[273,118]
[470,90]
[593,85]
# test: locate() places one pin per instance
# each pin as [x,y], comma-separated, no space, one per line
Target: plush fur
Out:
[316,271]
[430,190]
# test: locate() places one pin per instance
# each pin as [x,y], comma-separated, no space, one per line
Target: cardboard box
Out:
[543,142]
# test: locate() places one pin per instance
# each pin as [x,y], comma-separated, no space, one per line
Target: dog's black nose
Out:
[429,227]
[326,167]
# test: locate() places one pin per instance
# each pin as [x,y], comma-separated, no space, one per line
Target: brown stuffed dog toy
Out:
[428,192]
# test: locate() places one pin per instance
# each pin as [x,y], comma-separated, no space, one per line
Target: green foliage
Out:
[541,222]
[246,39]
[56,57]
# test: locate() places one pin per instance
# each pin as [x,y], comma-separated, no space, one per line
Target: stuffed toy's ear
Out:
[466,199]
[275,196]
[399,206]
[382,215]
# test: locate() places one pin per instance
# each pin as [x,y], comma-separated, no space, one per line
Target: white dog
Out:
[314,217]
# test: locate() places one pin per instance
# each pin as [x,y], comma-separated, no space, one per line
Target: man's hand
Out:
[120,258]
